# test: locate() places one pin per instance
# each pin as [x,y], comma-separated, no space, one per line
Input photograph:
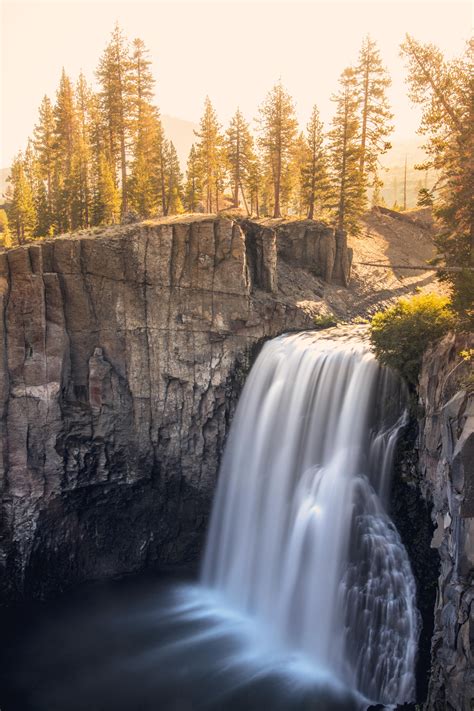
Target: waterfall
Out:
[300,538]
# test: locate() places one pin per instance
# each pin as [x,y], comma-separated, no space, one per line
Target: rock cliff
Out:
[121,357]
[446,457]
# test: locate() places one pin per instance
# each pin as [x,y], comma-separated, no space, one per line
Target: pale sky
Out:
[232,51]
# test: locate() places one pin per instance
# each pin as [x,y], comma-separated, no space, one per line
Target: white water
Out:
[299,537]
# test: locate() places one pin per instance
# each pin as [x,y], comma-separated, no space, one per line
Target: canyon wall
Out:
[446,463]
[122,354]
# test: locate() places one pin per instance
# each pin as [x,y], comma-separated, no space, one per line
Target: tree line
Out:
[98,157]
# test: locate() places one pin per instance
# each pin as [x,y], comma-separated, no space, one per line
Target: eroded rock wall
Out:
[446,460]
[121,358]
[316,247]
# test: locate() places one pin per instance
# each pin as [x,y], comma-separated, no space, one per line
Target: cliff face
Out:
[121,359]
[446,456]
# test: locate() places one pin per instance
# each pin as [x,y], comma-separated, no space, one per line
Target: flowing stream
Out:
[299,537]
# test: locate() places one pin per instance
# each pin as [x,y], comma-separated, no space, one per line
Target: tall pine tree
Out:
[44,142]
[445,91]
[193,187]
[278,131]
[105,191]
[22,211]
[314,169]
[210,157]
[239,150]
[173,181]
[83,207]
[113,74]
[66,163]
[344,151]
[146,133]
[375,116]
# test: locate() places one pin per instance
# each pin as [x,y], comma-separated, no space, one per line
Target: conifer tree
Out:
[83,158]
[375,116]
[66,164]
[161,146]
[314,169]
[5,237]
[193,188]
[278,130]
[44,143]
[22,207]
[146,132]
[239,148]
[145,186]
[444,90]
[141,86]
[174,181]
[107,198]
[113,75]
[105,192]
[210,157]
[254,183]
[33,175]
[344,152]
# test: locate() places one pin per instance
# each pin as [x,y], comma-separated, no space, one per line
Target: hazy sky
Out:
[233,51]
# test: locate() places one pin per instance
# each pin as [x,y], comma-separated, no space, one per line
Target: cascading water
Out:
[299,536]
[306,601]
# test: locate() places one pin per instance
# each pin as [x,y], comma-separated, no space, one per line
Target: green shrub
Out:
[324,321]
[401,333]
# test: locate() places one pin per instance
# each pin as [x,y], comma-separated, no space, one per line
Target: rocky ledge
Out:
[122,355]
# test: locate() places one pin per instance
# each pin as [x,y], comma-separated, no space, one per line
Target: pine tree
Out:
[445,91]
[254,183]
[193,188]
[33,175]
[5,236]
[141,86]
[22,210]
[145,132]
[344,151]
[145,185]
[83,207]
[174,181]
[113,75]
[314,169]
[66,176]
[161,146]
[44,142]
[278,130]
[107,195]
[105,191]
[375,115]
[210,157]
[239,149]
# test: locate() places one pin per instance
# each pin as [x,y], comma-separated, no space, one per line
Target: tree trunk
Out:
[123,160]
[364,120]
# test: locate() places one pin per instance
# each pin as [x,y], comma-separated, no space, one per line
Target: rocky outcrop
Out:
[446,453]
[122,355]
[317,247]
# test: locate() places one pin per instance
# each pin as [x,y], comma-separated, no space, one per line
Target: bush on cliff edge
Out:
[401,333]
